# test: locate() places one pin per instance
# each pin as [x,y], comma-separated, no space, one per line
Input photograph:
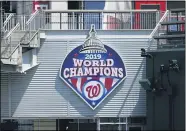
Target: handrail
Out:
[16,27]
[30,38]
[7,19]
[12,30]
[20,45]
[34,34]
[32,17]
[96,11]
[7,36]
[156,28]
[11,52]
[24,36]
[159,23]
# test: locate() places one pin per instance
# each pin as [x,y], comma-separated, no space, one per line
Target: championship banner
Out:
[93,70]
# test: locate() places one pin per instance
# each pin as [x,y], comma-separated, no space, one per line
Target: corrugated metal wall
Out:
[41,93]
[4,95]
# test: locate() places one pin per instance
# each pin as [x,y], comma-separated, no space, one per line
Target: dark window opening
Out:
[74,5]
[175,4]
[148,6]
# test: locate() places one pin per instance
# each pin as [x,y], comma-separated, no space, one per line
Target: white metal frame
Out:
[114,123]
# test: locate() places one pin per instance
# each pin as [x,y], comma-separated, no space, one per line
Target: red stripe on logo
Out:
[108,83]
[74,82]
[83,80]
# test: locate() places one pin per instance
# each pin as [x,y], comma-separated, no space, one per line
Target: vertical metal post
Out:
[82,22]
[102,16]
[30,31]
[119,125]
[77,15]
[98,124]
[158,16]
[116,21]
[73,20]
[10,42]
[131,20]
[126,124]
[23,24]
[82,8]
[99,17]
[60,20]
[78,124]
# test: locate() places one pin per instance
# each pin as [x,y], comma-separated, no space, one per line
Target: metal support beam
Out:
[98,124]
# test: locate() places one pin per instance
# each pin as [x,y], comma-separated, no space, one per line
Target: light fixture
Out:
[145,54]
[145,84]
[173,64]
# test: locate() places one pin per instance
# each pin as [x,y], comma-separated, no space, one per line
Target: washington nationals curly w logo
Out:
[93,91]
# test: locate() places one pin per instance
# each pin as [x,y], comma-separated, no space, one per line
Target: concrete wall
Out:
[161,106]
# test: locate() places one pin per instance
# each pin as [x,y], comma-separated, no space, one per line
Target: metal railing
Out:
[9,22]
[12,45]
[158,29]
[103,20]
[82,19]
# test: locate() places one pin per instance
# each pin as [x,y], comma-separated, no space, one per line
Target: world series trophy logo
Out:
[93,70]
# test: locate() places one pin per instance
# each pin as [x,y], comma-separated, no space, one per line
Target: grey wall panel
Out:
[161,102]
[24,7]
[41,93]
[4,95]
[37,94]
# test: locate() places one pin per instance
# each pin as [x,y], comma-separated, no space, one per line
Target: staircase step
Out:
[172,23]
[7,49]
[177,10]
[175,32]
[169,36]
[171,46]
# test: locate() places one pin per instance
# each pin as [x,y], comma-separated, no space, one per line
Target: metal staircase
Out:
[15,42]
[171,33]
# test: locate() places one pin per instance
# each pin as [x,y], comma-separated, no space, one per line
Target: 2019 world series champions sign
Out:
[93,70]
